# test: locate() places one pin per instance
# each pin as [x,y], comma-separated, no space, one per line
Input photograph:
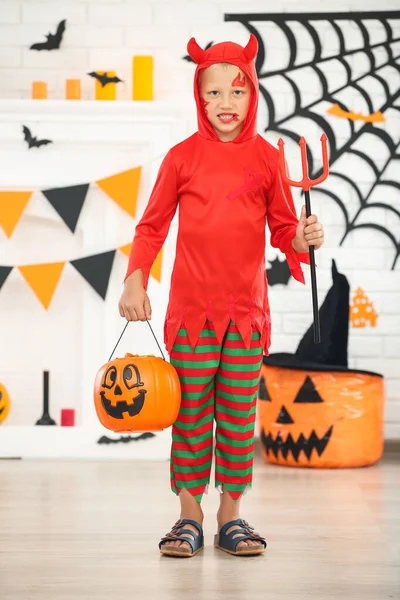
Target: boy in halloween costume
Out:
[226,180]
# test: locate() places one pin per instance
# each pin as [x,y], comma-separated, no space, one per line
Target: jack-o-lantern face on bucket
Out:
[121,393]
[4,403]
[320,418]
[137,393]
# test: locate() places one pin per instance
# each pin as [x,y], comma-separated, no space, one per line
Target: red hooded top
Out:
[226,192]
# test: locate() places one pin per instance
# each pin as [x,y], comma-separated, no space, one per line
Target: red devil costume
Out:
[226,193]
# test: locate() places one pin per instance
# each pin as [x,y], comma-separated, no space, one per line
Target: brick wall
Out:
[105,35]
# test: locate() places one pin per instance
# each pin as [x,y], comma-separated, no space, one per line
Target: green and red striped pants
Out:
[218,381]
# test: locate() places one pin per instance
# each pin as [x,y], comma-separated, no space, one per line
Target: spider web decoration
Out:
[353,61]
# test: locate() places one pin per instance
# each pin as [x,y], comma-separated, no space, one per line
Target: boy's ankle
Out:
[224,516]
[196,515]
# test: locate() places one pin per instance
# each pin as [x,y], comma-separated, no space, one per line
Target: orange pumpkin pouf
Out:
[137,393]
[313,410]
[322,417]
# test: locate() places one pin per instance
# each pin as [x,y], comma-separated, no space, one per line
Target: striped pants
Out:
[218,381]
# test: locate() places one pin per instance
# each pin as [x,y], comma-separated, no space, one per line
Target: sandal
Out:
[228,541]
[178,533]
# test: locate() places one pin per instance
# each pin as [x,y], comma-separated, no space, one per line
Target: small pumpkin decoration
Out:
[4,403]
[137,393]
[325,417]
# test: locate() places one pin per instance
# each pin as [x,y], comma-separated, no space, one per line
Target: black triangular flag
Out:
[68,202]
[262,391]
[96,270]
[4,273]
[284,417]
[307,393]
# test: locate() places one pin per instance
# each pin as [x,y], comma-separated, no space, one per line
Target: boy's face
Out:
[225,92]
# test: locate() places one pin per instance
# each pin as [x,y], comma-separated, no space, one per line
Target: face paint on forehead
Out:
[239,82]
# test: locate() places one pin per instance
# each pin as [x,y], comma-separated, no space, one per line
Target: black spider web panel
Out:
[309,62]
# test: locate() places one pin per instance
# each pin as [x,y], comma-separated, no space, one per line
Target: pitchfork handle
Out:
[317,332]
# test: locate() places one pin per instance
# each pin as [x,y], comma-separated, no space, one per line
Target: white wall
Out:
[105,35]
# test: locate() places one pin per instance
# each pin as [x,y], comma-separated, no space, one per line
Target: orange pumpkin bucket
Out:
[137,393]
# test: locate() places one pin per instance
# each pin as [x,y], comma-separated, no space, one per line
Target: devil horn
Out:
[195,51]
[250,51]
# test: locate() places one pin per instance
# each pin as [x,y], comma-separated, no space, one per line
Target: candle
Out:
[73,89]
[39,90]
[142,77]
[67,417]
[109,91]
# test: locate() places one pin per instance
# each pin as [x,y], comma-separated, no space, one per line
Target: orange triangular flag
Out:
[12,205]
[156,268]
[126,249]
[43,279]
[123,188]
[157,265]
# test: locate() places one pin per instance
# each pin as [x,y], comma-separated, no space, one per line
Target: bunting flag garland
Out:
[43,279]
[123,188]
[68,202]
[96,269]
[12,205]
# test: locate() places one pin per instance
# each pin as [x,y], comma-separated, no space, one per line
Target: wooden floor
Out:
[89,530]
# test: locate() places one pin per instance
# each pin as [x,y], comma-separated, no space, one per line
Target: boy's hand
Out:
[134,303]
[309,232]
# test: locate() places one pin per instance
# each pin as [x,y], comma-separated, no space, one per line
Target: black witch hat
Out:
[331,353]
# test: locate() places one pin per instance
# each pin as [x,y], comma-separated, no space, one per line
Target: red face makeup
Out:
[238,81]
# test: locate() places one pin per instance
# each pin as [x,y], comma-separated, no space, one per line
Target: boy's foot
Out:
[174,544]
[246,542]
[222,519]
[180,543]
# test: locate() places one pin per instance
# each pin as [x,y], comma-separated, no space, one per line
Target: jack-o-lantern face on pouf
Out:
[137,393]
[321,418]
[4,403]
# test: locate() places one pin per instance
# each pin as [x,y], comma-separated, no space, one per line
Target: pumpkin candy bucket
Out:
[137,393]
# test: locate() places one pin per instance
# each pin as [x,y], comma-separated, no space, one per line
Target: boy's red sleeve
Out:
[282,222]
[153,227]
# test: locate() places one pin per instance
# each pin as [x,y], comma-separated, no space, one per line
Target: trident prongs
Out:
[306,183]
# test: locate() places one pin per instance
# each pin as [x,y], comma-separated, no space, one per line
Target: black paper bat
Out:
[33,142]
[53,40]
[279,272]
[187,57]
[104,79]
[125,439]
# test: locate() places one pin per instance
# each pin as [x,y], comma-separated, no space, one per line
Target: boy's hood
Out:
[235,54]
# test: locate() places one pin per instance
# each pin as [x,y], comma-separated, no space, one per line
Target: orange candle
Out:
[107,92]
[39,90]
[142,77]
[73,89]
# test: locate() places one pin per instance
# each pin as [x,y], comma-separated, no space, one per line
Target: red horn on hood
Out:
[195,51]
[250,51]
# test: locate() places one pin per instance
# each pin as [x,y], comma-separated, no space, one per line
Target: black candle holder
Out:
[45,419]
